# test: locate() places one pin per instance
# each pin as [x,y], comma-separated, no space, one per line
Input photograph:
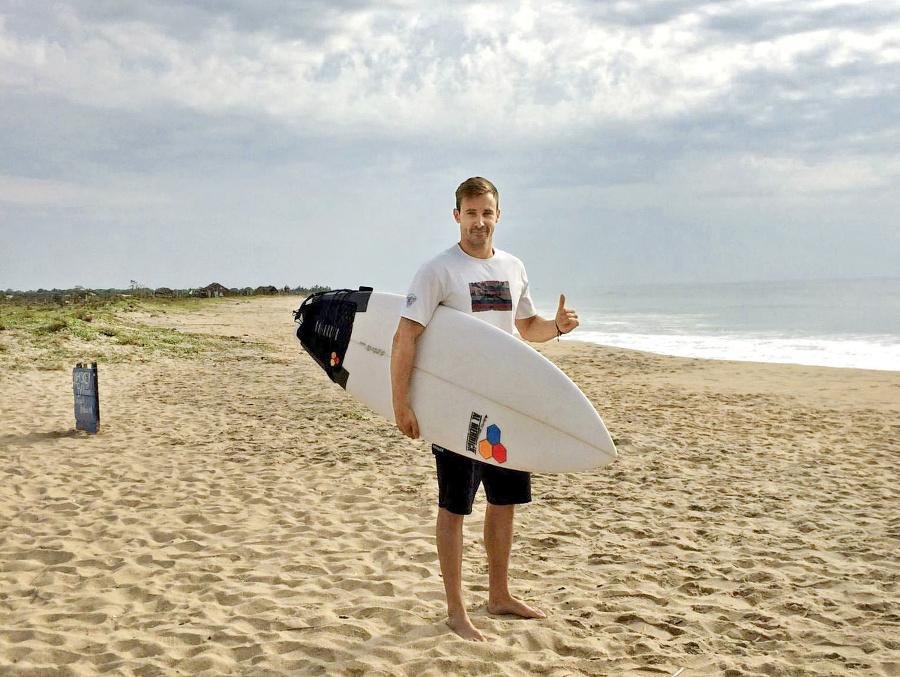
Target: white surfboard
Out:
[475,389]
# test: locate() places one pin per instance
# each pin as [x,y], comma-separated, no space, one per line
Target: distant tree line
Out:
[214,290]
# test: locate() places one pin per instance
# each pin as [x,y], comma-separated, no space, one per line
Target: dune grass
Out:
[53,335]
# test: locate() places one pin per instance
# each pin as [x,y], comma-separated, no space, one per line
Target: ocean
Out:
[830,323]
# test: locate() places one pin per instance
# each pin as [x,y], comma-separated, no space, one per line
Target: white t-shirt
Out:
[494,290]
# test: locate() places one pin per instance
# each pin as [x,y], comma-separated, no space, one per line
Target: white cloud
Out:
[113,192]
[507,66]
[23,191]
[790,175]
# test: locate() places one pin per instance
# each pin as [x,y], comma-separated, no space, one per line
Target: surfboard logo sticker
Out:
[490,446]
[476,423]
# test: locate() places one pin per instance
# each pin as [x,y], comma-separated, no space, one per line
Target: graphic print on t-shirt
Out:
[490,295]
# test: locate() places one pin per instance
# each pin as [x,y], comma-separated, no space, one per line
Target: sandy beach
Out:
[239,514]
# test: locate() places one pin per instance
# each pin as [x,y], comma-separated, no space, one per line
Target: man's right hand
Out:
[407,421]
[403,357]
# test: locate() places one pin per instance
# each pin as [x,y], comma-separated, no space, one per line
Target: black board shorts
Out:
[459,478]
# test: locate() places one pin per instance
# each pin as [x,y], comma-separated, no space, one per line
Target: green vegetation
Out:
[80,295]
[57,328]
[54,336]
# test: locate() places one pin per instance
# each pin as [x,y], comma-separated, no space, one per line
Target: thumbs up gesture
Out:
[566,318]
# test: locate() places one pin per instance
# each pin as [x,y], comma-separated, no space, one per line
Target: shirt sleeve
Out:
[525,308]
[424,295]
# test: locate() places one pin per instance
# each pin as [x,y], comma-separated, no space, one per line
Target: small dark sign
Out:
[87,398]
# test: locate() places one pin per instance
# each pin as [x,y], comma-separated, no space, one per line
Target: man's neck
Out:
[485,252]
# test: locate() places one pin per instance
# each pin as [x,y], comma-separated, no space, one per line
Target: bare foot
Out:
[463,627]
[515,607]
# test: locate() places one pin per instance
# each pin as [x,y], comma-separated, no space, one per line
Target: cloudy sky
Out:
[259,142]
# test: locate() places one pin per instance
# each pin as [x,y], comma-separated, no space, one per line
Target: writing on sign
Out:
[87,398]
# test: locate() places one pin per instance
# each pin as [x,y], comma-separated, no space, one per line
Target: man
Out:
[475,278]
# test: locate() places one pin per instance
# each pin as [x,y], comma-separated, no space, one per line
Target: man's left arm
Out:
[538,329]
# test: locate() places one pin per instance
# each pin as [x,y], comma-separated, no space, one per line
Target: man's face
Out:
[476,217]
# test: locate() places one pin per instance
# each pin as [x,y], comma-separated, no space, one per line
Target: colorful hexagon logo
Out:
[490,446]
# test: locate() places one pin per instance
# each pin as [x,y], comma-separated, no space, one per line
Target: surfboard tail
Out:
[324,325]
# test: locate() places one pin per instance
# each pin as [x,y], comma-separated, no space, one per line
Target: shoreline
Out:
[861,363]
[855,362]
[240,514]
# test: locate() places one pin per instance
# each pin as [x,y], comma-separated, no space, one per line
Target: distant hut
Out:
[266,291]
[213,291]
[164,292]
